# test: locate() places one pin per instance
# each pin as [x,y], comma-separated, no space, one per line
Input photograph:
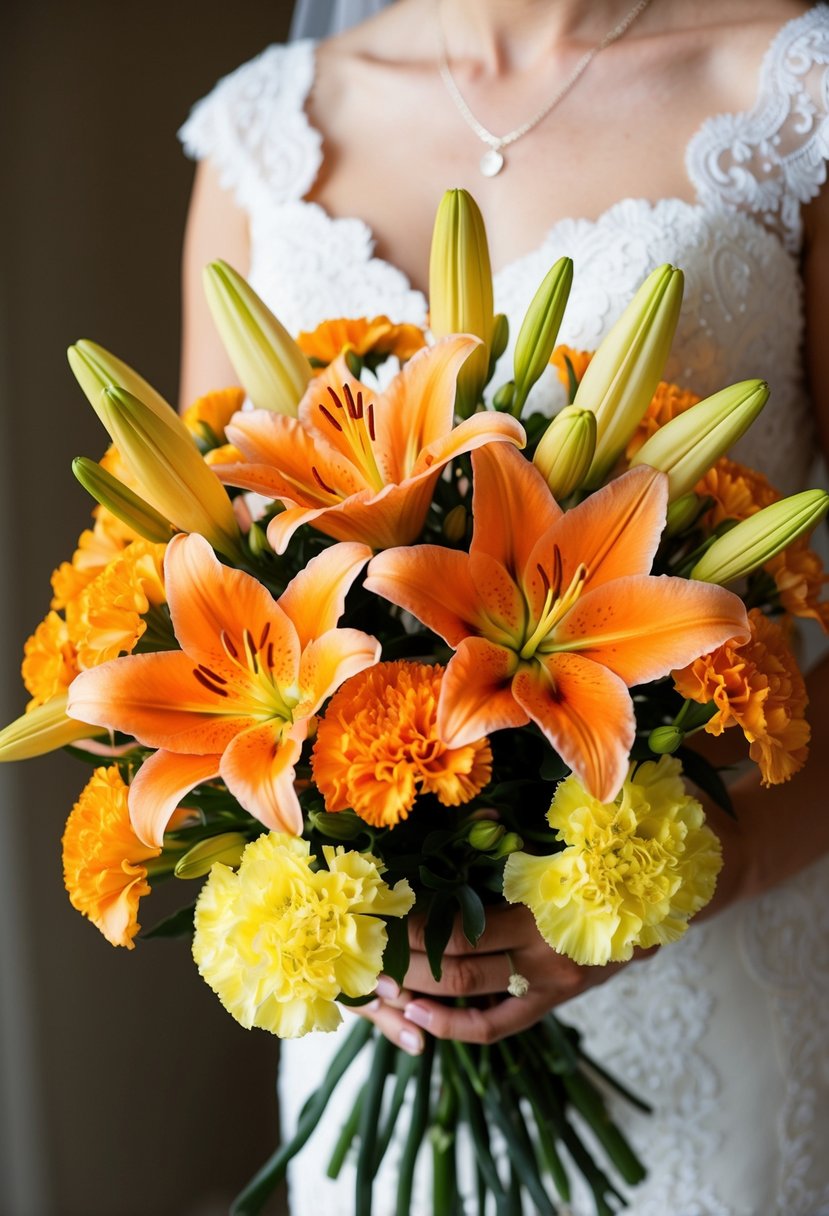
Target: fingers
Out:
[507,928]
[387,1015]
[478,1025]
[465,975]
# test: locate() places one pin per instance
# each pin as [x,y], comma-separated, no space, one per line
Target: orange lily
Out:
[358,464]
[553,615]
[237,699]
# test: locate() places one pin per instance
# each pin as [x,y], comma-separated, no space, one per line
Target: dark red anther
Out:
[327,414]
[320,482]
[263,639]
[205,683]
[370,416]
[212,675]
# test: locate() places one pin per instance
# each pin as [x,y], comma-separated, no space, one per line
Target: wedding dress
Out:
[726,1032]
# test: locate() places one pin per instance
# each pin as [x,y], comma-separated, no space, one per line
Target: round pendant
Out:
[492,162]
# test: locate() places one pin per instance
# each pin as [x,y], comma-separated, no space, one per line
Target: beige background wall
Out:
[125,1089]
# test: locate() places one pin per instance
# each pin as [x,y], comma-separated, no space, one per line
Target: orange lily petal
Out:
[476,694]
[586,713]
[472,433]
[318,408]
[159,786]
[511,504]
[315,598]
[614,532]
[208,599]
[418,406]
[158,699]
[258,769]
[501,603]
[330,660]
[432,583]
[641,627]
[280,455]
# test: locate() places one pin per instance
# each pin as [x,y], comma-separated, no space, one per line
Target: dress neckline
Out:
[763,106]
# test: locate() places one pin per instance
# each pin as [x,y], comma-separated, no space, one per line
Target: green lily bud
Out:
[665,739]
[503,397]
[172,471]
[683,512]
[460,289]
[226,848]
[121,501]
[539,329]
[565,450]
[44,729]
[686,447]
[510,843]
[454,525]
[258,541]
[273,370]
[625,370]
[498,342]
[485,834]
[337,825]
[96,369]
[754,541]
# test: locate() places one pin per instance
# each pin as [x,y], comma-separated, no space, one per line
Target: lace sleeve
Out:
[772,159]
[253,128]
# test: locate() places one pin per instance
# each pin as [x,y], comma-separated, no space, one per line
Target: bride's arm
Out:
[216,228]
[777,831]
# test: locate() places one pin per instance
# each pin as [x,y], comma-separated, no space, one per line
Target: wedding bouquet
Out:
[375,648]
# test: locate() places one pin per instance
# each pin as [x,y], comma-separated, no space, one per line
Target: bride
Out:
[638,134]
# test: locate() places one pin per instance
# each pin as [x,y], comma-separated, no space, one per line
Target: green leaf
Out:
[439,923]
[396,953]
[553,767]
[436,882]
[473,913]
[178,924]
[354,1002]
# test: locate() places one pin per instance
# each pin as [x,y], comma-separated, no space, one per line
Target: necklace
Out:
[492,161]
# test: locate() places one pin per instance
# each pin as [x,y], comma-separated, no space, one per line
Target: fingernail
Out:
[418,1015]
[386,987]
[411,1042]
[371,1007]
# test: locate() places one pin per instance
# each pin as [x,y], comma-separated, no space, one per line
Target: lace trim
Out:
[771,159]
[254,129]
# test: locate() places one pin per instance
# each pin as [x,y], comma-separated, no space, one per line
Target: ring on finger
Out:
[517,984]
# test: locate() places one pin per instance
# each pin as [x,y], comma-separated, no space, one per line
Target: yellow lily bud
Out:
[686,447]
[44,729]
[539,329]
[565,450]
[121,501]
[171,471]
[226,848]
[623,374]
[96,369]
[273,370]
[460,288]
[754,541]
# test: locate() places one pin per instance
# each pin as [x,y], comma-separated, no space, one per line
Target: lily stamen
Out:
[555,606]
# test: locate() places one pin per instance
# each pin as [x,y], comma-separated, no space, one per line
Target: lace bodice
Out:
[725,1032]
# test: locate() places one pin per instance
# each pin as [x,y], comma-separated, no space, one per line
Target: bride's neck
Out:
[506,34]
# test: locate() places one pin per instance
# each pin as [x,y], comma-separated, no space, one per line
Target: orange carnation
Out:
[208,416]
[102,858]
[737,491]
[799,575]
[378,746]
[378,336]
[758,687]
[50,661]
[579,360]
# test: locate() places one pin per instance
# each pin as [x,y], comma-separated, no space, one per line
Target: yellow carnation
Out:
[102,858]
[633,871]
[378,746]
[278,941]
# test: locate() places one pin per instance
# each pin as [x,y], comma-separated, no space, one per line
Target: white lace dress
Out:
[726,1032]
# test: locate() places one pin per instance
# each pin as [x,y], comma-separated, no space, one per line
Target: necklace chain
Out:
[492,161]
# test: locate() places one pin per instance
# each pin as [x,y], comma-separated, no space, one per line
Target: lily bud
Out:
[623,374]
[485,834]
[686,447]
[121,501]
[273,370]
[460,289]
[454,525]
[510,843]
[96,369]
[44,729]
[754,541]
[337,825]
[565,451]
[498,342]
[665,739]
[172,471]
[539,329]
[683,512]
[226,847]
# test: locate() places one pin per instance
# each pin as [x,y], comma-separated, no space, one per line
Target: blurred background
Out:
[125,1088]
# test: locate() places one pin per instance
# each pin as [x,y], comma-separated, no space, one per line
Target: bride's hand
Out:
[510,943]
